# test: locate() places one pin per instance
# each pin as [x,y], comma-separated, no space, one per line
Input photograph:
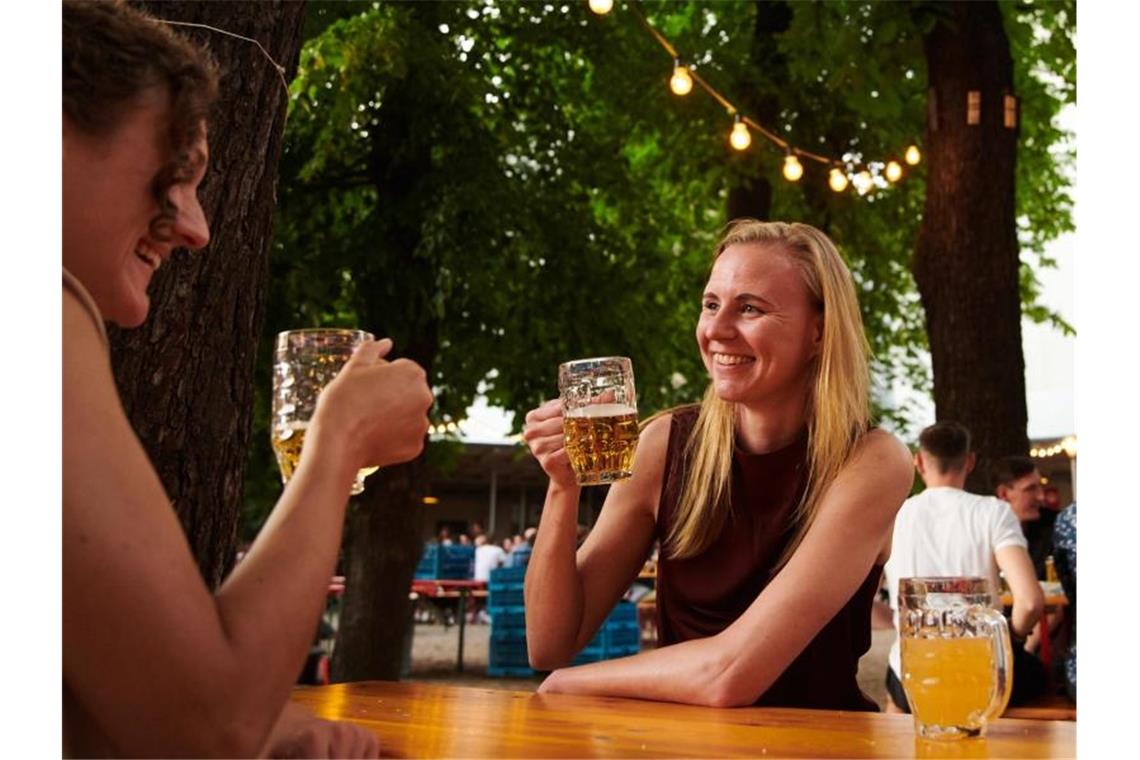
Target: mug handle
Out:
[995,622]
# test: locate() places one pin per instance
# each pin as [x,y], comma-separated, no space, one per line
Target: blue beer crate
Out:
[499,671]
[621,636]
[504,595]
[508,575]
[623,612]
[446,562]
[594,652]
[507,617]
[507,655]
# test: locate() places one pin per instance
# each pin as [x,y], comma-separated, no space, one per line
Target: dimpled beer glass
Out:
[599,418]
[956,655]
[304,362]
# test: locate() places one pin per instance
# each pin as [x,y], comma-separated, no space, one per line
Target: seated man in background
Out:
[946,531]
[1017,482]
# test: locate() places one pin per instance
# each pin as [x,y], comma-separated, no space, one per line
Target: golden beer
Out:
[601,440]
[949,682]
[287,445]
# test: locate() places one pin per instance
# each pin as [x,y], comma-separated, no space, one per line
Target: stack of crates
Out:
[446,562]
[620,636]
[507,656]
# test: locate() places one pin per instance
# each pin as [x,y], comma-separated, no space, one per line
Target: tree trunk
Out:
[186,376]
[751,195]
[384,534]
[966,265]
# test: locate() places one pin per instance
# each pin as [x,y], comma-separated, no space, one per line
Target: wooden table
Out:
[440,588]
[419,720]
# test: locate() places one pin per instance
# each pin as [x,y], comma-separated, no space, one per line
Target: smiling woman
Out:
[154,662]
[772,499]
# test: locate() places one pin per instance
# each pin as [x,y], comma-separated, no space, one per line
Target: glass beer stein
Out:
[304,362]
[599,417]
[956,655]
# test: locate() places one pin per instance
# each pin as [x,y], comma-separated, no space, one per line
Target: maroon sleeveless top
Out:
[700,596]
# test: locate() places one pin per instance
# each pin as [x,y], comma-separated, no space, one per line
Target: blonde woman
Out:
[773,500]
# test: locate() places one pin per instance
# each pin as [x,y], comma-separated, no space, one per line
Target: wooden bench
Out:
[1048,707]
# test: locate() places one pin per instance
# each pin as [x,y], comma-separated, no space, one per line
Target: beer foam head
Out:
[602,410]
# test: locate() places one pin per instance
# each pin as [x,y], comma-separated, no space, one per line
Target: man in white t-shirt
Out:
[946,531]
[488,556]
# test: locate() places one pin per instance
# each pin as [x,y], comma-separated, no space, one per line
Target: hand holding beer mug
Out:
[599,418]
[304,362]
[956,655]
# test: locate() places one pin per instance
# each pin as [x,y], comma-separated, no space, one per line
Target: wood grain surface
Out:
[420,720]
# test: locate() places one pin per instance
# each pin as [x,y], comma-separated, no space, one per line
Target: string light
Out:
[681,82]
[837,180]
[740,137]
[793,169]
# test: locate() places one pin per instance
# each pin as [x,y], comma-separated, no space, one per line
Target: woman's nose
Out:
[190,227]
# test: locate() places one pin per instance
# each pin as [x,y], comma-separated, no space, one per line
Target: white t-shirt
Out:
[487,558]
[947,531]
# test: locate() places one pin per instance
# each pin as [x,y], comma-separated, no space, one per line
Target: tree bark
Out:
[966,265]
[186,376]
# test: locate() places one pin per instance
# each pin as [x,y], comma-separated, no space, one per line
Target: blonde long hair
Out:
[838,407]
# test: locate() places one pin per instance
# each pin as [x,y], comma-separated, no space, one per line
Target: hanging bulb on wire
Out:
[793,169]
[740,138]
[682,81]
[601,7]
[837,180]
[894,171]
[912,155]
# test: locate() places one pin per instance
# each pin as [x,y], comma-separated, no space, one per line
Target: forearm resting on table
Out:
[698,672]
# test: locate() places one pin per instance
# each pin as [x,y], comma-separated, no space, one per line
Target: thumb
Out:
[371,351]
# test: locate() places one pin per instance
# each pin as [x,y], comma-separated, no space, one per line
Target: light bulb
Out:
[863,182]
[912,155]
[894,171]
[837,180]
[740,138]
[793,169]
[682,82]
[601,7]
[1069,446]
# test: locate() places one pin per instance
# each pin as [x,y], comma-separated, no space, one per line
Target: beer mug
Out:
[304,362]
[956,655]
[599,418]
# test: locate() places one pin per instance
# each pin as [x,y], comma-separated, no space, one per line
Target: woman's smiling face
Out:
[108,207]
[759,329]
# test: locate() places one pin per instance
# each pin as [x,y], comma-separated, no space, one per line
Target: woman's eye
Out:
[749,309]
[710,305]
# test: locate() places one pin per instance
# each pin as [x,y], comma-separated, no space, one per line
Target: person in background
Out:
[155,663]
[464,539]
[520,552]
[1065,546]
[1016,481]
[444,538]
[773,499]
[947,531]
[488,556]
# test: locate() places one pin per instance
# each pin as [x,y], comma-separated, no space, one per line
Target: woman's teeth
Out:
[729,359]
[149,256]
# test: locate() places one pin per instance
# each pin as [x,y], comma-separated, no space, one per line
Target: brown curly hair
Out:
[111,54]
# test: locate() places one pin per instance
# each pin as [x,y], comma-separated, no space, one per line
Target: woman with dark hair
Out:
[772,499]
[154,664]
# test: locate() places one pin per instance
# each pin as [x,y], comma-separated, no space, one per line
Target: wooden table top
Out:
[421,720]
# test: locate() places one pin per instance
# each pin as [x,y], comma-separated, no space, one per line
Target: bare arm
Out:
[1028,599]
[158,662]
[736,666]
[568,593]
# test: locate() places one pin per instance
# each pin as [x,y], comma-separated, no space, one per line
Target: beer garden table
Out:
[420,720]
